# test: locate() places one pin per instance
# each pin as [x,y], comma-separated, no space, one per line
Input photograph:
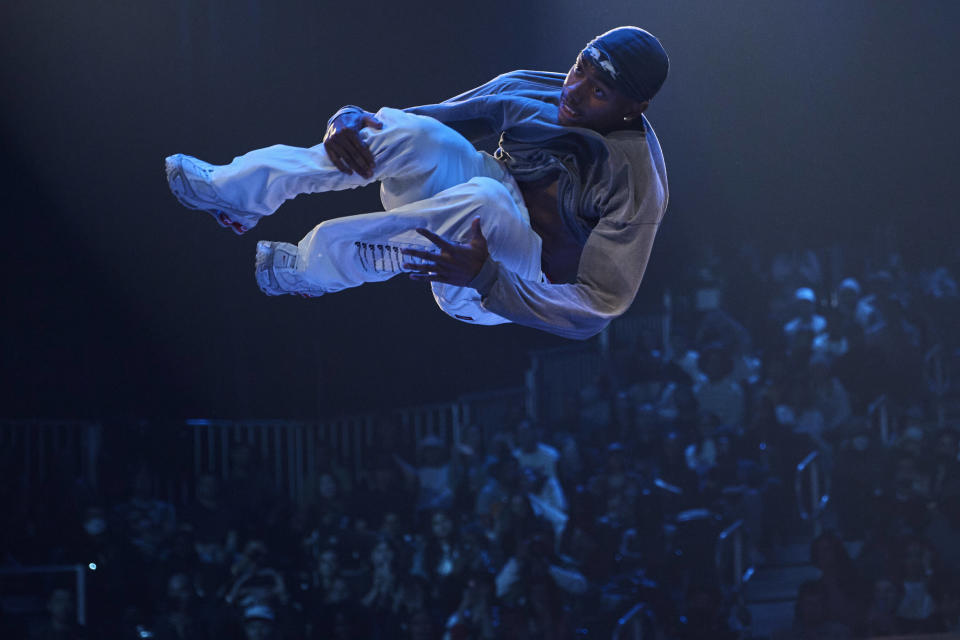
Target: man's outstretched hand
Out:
[457,263]
[343,144]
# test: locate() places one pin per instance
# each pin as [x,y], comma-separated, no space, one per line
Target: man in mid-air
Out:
[553,231]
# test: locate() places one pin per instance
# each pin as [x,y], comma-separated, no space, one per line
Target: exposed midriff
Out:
[561,250]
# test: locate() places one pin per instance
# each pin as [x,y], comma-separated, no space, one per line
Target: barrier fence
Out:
[290,451]
[33,450]
[16,601]
[732,558]
[810,486]
[937,378]
[636,624]
[556,376]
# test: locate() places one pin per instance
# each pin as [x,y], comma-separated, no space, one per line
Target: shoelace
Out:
[381,257]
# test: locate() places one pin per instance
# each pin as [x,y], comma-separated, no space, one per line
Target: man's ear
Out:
[636,110]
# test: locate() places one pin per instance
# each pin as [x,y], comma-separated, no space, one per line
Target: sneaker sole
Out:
[266,279]
[180,188]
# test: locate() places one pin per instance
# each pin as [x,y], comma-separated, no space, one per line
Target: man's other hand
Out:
[457,263]
[344,147]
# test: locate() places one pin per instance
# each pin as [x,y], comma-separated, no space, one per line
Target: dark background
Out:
[790,123]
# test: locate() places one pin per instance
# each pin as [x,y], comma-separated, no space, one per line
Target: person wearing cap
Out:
[259,622]
[553,231]
[807,320]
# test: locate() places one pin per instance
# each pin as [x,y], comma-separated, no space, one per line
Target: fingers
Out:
[425,267]
[336,154]
[434,269]
[476,233]
[363,154]
[426,277]
[370,121]
[419,253]
[354,153]
[348,153]
[435,239]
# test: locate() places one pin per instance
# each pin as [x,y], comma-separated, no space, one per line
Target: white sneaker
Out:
[189,180]
[276,271]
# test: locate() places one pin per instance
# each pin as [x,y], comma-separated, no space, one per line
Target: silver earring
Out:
[627,118]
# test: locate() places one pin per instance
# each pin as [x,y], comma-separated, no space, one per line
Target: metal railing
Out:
[634,624]
[557,375]
[878,413]
[80,581]
[732,562]
[817,501]
[937,380]
[70,447]
[288,449]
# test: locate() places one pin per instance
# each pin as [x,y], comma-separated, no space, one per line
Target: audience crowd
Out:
[552,531]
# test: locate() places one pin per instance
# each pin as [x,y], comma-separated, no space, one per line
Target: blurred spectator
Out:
[533,454]
[856,479]
[148,523]
[917,605]
[541,613]
[503,482]
[810,620]
[254,580]
[476,617]
[383,491]
[421,626]
[843,333]
[432,476]
[881,618]
[868,312]
[442,560]
[411,596]
[384,565]
[326,461]
[533,534]
[546,499]
[830,398]
[672,469]
[945,474]
[595,411]
[328,569]
[704,616]
[720,394]
[805,320]
[469,461]
[214,538]
[535,560]
[182,618]
[841,586]
[257,508]
[62,621]
[945,589]
[943,530]
[701,454]
[259,623]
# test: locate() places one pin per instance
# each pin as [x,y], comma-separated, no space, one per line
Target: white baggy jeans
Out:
[430,177]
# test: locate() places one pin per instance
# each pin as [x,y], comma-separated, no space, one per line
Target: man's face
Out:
[381,555]
[258,629]
[328,563]
[588,101]
[442,526]
[60,605]
[328,486]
